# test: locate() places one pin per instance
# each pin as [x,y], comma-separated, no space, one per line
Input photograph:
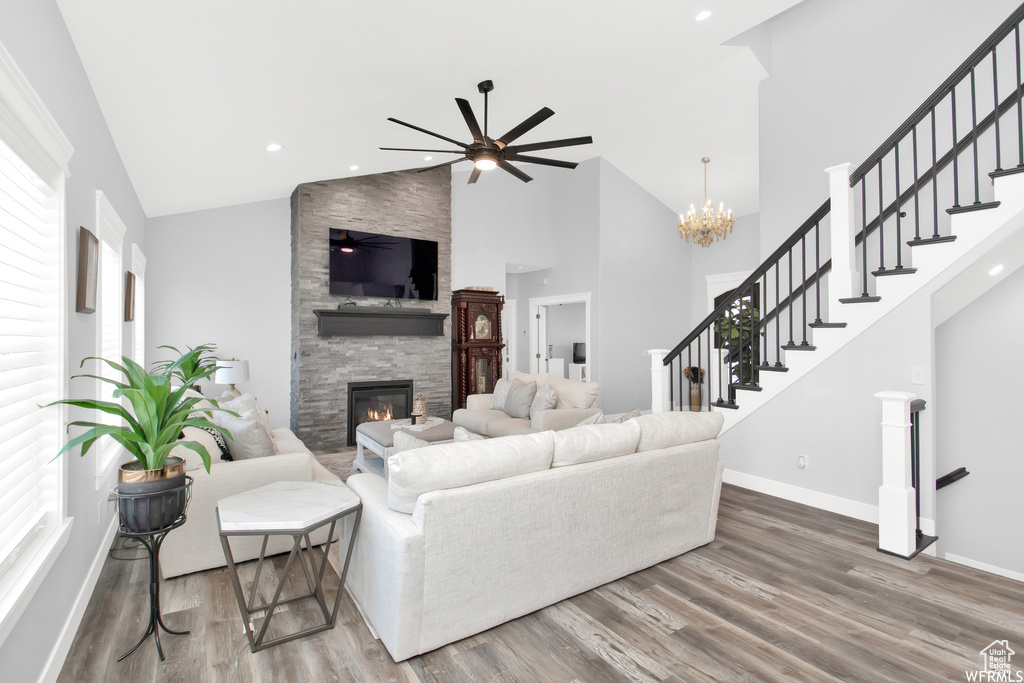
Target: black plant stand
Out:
[153,539]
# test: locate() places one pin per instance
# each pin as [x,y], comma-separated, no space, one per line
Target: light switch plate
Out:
[916,375]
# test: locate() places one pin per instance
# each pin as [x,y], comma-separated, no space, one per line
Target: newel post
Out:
[842,280]
[896,508]
[660,400]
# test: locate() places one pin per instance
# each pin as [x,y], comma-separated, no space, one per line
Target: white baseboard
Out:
[74,620]
[797,494]
[991,569]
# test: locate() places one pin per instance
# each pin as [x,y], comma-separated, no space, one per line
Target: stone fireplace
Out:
[406,204]
[374,401]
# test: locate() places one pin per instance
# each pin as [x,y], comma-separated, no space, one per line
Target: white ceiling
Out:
[194,90]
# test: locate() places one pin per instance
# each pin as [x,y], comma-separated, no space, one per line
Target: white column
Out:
[896,509]
[660,400]
[843,279]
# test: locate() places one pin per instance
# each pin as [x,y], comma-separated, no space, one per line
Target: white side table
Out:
[296,509]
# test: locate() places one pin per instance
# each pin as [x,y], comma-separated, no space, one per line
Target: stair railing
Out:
[914,171]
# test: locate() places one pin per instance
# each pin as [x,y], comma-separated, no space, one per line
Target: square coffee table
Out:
[379,439]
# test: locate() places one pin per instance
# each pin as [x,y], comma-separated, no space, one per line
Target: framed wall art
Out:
[88,271]
[129,297]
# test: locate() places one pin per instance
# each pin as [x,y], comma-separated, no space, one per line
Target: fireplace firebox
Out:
[371,401]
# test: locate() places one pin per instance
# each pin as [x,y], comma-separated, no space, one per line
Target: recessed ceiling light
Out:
[996,269]
[703,15]
[273,147]
[353,167]
[428,158]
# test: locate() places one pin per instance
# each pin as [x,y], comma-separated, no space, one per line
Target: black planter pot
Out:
[150,500]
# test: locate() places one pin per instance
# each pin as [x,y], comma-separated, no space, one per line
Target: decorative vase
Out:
[150,500]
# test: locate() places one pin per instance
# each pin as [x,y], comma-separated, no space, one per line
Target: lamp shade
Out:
[231,372]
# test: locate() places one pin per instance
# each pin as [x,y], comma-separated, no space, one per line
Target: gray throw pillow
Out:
[546,399]
[628,416]
[520,397]
[462,434]
[500,394]
[595,419]
[250,437]
[407,442]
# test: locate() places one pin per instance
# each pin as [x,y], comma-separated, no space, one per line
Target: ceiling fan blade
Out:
[447,163]
[551,144]
[524,127]
[474,175]
[409,149]
[514,171]
[538,160]
[424,130]
[474,127]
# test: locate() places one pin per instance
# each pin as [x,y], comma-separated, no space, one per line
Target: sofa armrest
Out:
[557,419]
[479,401]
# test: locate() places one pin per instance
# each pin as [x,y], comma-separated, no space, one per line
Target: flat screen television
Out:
[579,352]
[367,264]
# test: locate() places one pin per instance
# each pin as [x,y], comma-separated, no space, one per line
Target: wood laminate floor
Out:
[784,593]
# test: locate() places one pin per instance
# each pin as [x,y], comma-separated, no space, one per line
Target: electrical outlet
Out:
[801,462]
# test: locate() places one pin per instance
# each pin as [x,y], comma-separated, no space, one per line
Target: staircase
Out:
[944,189]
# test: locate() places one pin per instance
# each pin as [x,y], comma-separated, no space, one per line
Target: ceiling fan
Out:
[486,152]
[347,244]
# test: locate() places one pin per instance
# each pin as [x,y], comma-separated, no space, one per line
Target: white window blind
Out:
[29,355]
[139,324]
[110,309]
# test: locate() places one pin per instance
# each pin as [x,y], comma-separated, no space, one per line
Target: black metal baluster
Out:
[764,304]
[689,363]
[995,109]
[899,214]
[709,365]
[864,231]
[974,140]
[1020,104]
[935,180]
[917,191]
[778,313]
[789,274]
[956,157]
[817,275]
[671,365]
[881,225]
[803,285]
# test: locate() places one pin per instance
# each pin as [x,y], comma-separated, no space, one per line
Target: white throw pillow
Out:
[520,398]
[546,399]
[250,438]
[202,404]
[573,394]
[676,427]
[194,461]
[595,419]
[627,416]
[500,394]
[595,442]
[463,434]
[407,442]
[245,403]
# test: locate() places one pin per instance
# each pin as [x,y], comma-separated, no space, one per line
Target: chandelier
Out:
[707,227]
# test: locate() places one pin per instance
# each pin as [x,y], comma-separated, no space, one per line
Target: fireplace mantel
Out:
[368,321]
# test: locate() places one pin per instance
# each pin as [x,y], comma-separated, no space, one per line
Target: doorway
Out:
[560,334]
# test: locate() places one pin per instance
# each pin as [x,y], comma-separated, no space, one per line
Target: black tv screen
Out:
[366,264]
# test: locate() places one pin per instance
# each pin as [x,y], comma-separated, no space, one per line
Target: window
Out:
[110,324]
[34,156]
[139,324]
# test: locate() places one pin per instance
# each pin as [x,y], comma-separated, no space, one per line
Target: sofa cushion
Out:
[452,465]
[573,394]
[595,442]
[286,442]
[541,379]
[463,434]
[500,394]
[250,437]
[546,399]
[406,442]
[673,428]
[477,420]
[520,398]
[508,426]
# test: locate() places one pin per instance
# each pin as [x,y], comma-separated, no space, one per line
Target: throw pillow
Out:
[520,397]
[628,416]
[546,399]
[463,434]
[250,437]
[229,394]
[406,442]
[500,394]
[193,461]
[596,418]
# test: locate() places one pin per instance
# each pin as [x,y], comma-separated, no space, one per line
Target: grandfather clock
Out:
[476,343]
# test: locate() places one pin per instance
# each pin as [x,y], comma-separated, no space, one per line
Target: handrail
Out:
[940,93]
[765,266]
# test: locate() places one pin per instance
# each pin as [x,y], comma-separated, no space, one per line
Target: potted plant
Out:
[737,333]
[191,366]
[150,431]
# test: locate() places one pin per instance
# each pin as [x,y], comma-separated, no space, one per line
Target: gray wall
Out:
[566,325]
[406,204]
[976,414]
[33,31]
[842,77]
[222,276]
[737,253]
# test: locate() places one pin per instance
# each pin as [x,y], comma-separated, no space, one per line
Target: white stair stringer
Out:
[977,233]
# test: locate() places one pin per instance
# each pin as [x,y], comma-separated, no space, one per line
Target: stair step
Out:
[921,241]
[899,270]
[798,347]
[745,387]
[824,325]
[865,299]
[977,206]
[1006,171]
[725,404]
[772,368]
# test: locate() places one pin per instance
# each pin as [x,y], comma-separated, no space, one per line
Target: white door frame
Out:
[538,326]
[511,329]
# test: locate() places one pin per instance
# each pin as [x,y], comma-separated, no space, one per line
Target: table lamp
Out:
[229,372]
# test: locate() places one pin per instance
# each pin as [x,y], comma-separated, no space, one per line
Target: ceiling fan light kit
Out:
[707,227]
[488,153]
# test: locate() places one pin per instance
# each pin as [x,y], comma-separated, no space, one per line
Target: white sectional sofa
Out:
[195,546]
[462,537]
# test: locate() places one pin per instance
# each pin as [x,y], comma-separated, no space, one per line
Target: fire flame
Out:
[382,414]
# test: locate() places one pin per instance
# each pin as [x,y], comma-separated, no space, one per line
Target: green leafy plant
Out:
[190,366]
[157,413]
[736,331]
